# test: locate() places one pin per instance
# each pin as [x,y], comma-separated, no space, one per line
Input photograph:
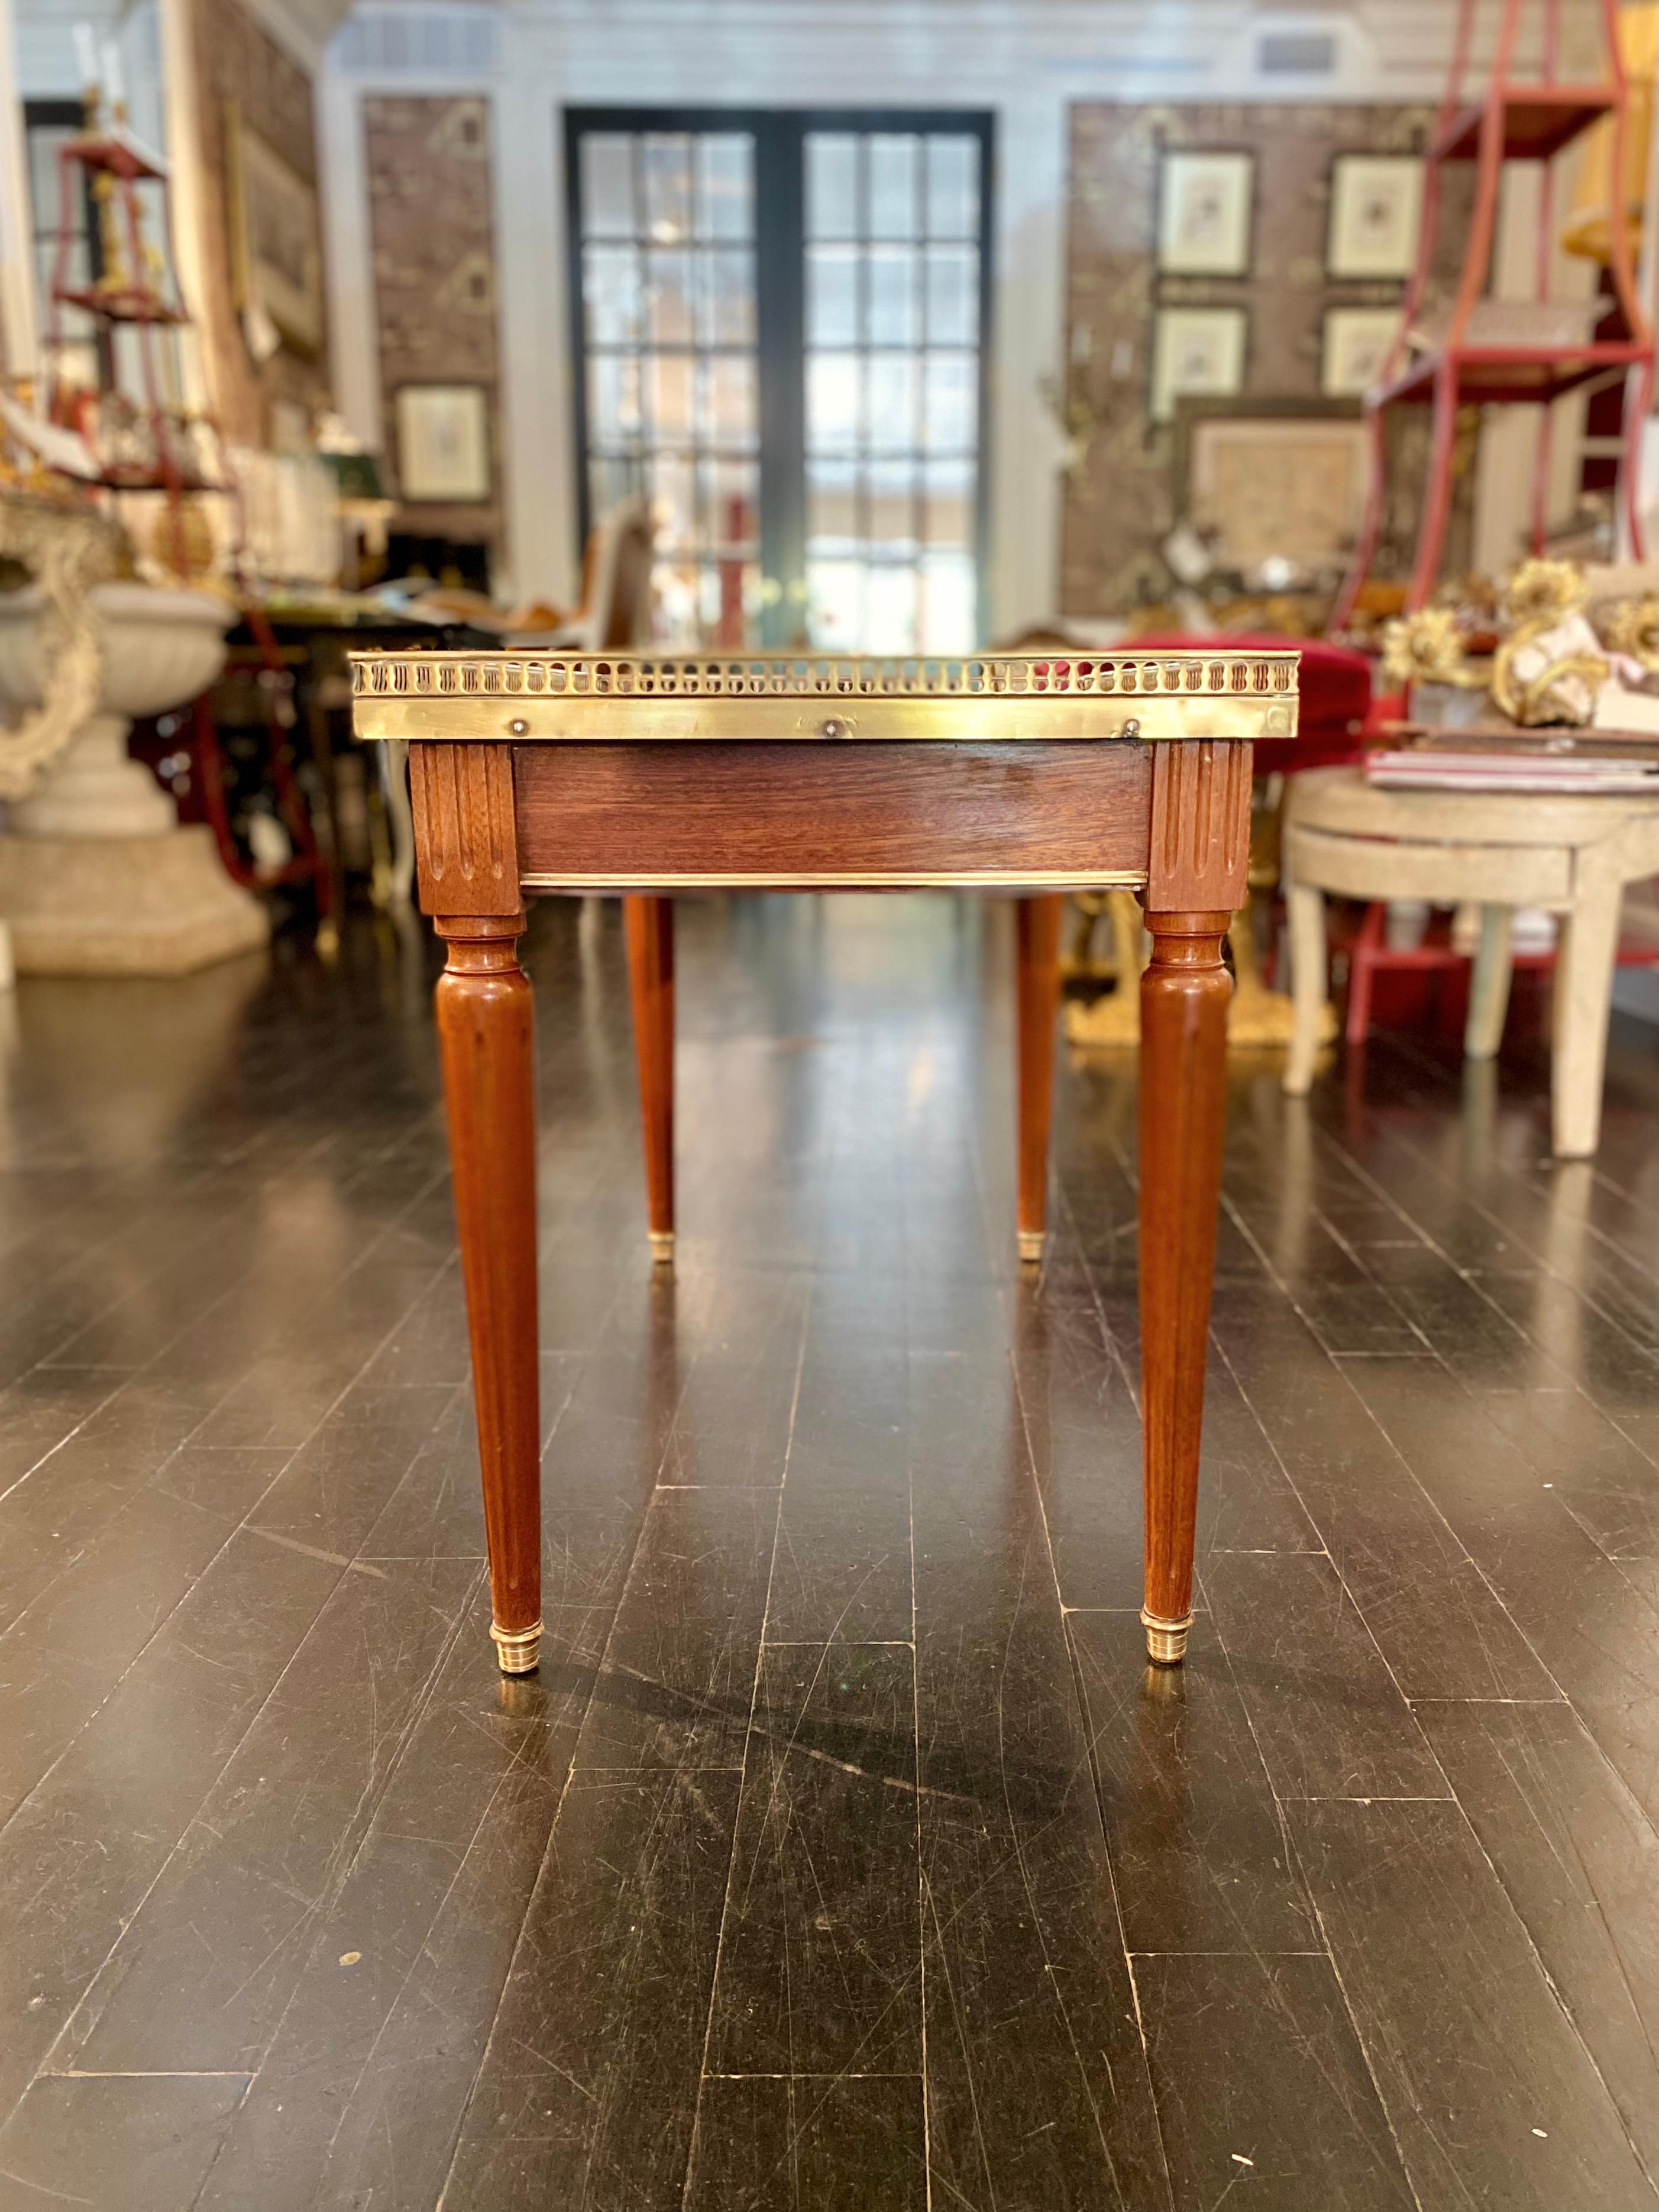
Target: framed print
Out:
[1198,350]
[1270,479]
[443,442]
[1377,201]
[277,253]
[1355,345]
[1204,214]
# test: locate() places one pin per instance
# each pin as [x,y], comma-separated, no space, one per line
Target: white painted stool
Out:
[1572,854]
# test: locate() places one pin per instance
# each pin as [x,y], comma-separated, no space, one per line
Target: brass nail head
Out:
[1132,727]
[518,727]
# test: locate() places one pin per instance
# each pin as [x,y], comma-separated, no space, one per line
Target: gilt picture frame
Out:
[1196,351]
[443,444]
[1205,204]
[1375,213]
[276,238]
[1355,343]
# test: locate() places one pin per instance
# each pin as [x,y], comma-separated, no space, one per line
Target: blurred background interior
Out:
[921,332]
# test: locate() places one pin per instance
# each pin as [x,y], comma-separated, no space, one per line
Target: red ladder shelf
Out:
[1513,121]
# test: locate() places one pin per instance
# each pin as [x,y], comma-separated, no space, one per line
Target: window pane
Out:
[834,605]
[607,175]
[832,295]
[832,196]
[893,163]
[953,187]
[889,614]
[731,419]
[666,162]
[672,488]
[832,402]
[727,298]
[668,388]
[610,294]
[668,297]
[610,482]
[949,409]
[832,507]
[893,307]
[948,503]
[891,504]
[726,189]
[952,296]
[731,499]
[946,615]
[613,399]
[892,419]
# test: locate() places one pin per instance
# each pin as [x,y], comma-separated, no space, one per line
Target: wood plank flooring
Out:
[844,1853]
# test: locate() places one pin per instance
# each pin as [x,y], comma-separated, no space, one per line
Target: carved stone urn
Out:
[97,875]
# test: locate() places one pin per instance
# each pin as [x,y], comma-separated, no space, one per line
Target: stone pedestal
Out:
[97,877]
[123,906]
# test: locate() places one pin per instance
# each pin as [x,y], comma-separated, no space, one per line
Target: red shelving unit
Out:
[1514,119]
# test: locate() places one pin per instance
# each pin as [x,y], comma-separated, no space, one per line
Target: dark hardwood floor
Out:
[844,1853]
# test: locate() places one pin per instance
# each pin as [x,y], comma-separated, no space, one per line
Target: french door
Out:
[782,320]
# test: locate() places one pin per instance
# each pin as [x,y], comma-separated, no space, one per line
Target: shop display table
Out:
[534,772]
[1570,853]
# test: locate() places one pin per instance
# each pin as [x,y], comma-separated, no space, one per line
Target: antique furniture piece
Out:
[1572,853]
[538,772]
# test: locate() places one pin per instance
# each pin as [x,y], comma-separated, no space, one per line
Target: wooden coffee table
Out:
[538,773]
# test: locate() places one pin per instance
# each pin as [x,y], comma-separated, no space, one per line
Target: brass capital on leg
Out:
[517,1650]
[1166,1640]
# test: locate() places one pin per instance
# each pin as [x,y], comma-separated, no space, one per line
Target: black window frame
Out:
[779,136]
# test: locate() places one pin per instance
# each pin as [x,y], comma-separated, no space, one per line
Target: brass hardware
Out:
[1031,1241]
[875,879]
[662,1247]
[993,698]
[517,1650]
[1166,1640]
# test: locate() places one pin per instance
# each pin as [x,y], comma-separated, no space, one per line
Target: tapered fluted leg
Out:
[1038,994]
[1184,1073]
[485,1033]
[649,923]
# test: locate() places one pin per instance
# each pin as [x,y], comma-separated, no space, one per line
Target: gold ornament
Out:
[1632,627]
[1425,647]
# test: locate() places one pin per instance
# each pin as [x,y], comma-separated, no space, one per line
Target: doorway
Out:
[782,320]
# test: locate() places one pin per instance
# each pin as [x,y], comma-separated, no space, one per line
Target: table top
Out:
[1343,801]
[524,697]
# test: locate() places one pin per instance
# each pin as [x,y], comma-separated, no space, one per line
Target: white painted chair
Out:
[1572,854]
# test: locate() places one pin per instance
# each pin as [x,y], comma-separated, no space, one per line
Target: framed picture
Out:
[1196,349]
[1204,203]
[443,442]
[1355,345]
[277,253]
[1377,201]
[1273,479]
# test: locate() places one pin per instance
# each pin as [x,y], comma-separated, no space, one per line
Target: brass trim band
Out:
[546,698]
[861,880]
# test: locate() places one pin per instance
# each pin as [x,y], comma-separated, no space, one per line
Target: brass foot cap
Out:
[517,1649]
[1031,1241]
[1166,1640]
[662,1248]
